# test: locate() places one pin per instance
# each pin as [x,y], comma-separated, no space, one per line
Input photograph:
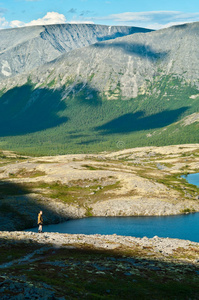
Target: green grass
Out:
[171,181]
[76,193]
[23,173]
[177,183]
[187,211]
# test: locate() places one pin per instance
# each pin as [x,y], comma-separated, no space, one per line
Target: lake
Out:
[192,178]
[180,226]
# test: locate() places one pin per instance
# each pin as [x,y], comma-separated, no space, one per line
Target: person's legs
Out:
[40,228]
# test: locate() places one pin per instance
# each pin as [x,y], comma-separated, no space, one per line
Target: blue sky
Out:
[154,14]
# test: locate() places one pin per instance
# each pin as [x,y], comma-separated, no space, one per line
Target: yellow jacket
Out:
[40,219]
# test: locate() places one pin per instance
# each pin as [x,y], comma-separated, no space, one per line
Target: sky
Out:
[153,14]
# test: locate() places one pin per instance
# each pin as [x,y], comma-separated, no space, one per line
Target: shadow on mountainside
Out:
[137,121]
[84,94]
[19,208]
[140,50]
[24,110]
[129,31]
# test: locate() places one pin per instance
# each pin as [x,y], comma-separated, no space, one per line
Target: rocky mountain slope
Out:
[78,98]
[22,49]
[126,66]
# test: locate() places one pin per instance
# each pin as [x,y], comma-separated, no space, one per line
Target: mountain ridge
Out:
[24,48]
[133,54]
[130,91]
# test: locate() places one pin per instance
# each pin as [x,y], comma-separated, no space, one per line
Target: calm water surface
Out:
[192,178]
[180,226]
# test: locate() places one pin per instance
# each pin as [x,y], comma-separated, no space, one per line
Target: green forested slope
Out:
[40,122]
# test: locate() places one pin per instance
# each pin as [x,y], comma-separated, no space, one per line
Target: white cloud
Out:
[16,23]
[49,18]
[151,19]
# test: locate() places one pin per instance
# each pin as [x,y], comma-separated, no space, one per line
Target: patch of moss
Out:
[77,193]
[188,210]
[89,211]
[89,167]
[24,173]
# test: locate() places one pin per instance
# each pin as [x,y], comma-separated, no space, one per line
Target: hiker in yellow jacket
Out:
[40,221]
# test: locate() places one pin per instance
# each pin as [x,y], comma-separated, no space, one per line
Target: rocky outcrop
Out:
[142,207]
[166,246]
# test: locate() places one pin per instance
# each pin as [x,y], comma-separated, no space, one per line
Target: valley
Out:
[98,121]
[133,182]
[131,88]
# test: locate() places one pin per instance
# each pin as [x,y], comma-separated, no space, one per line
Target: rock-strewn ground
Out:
[65,266]
[139,181]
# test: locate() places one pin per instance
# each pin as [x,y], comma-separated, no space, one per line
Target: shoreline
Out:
[165,246]
[56,212]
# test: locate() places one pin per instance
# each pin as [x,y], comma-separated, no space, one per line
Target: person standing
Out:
[40,221]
